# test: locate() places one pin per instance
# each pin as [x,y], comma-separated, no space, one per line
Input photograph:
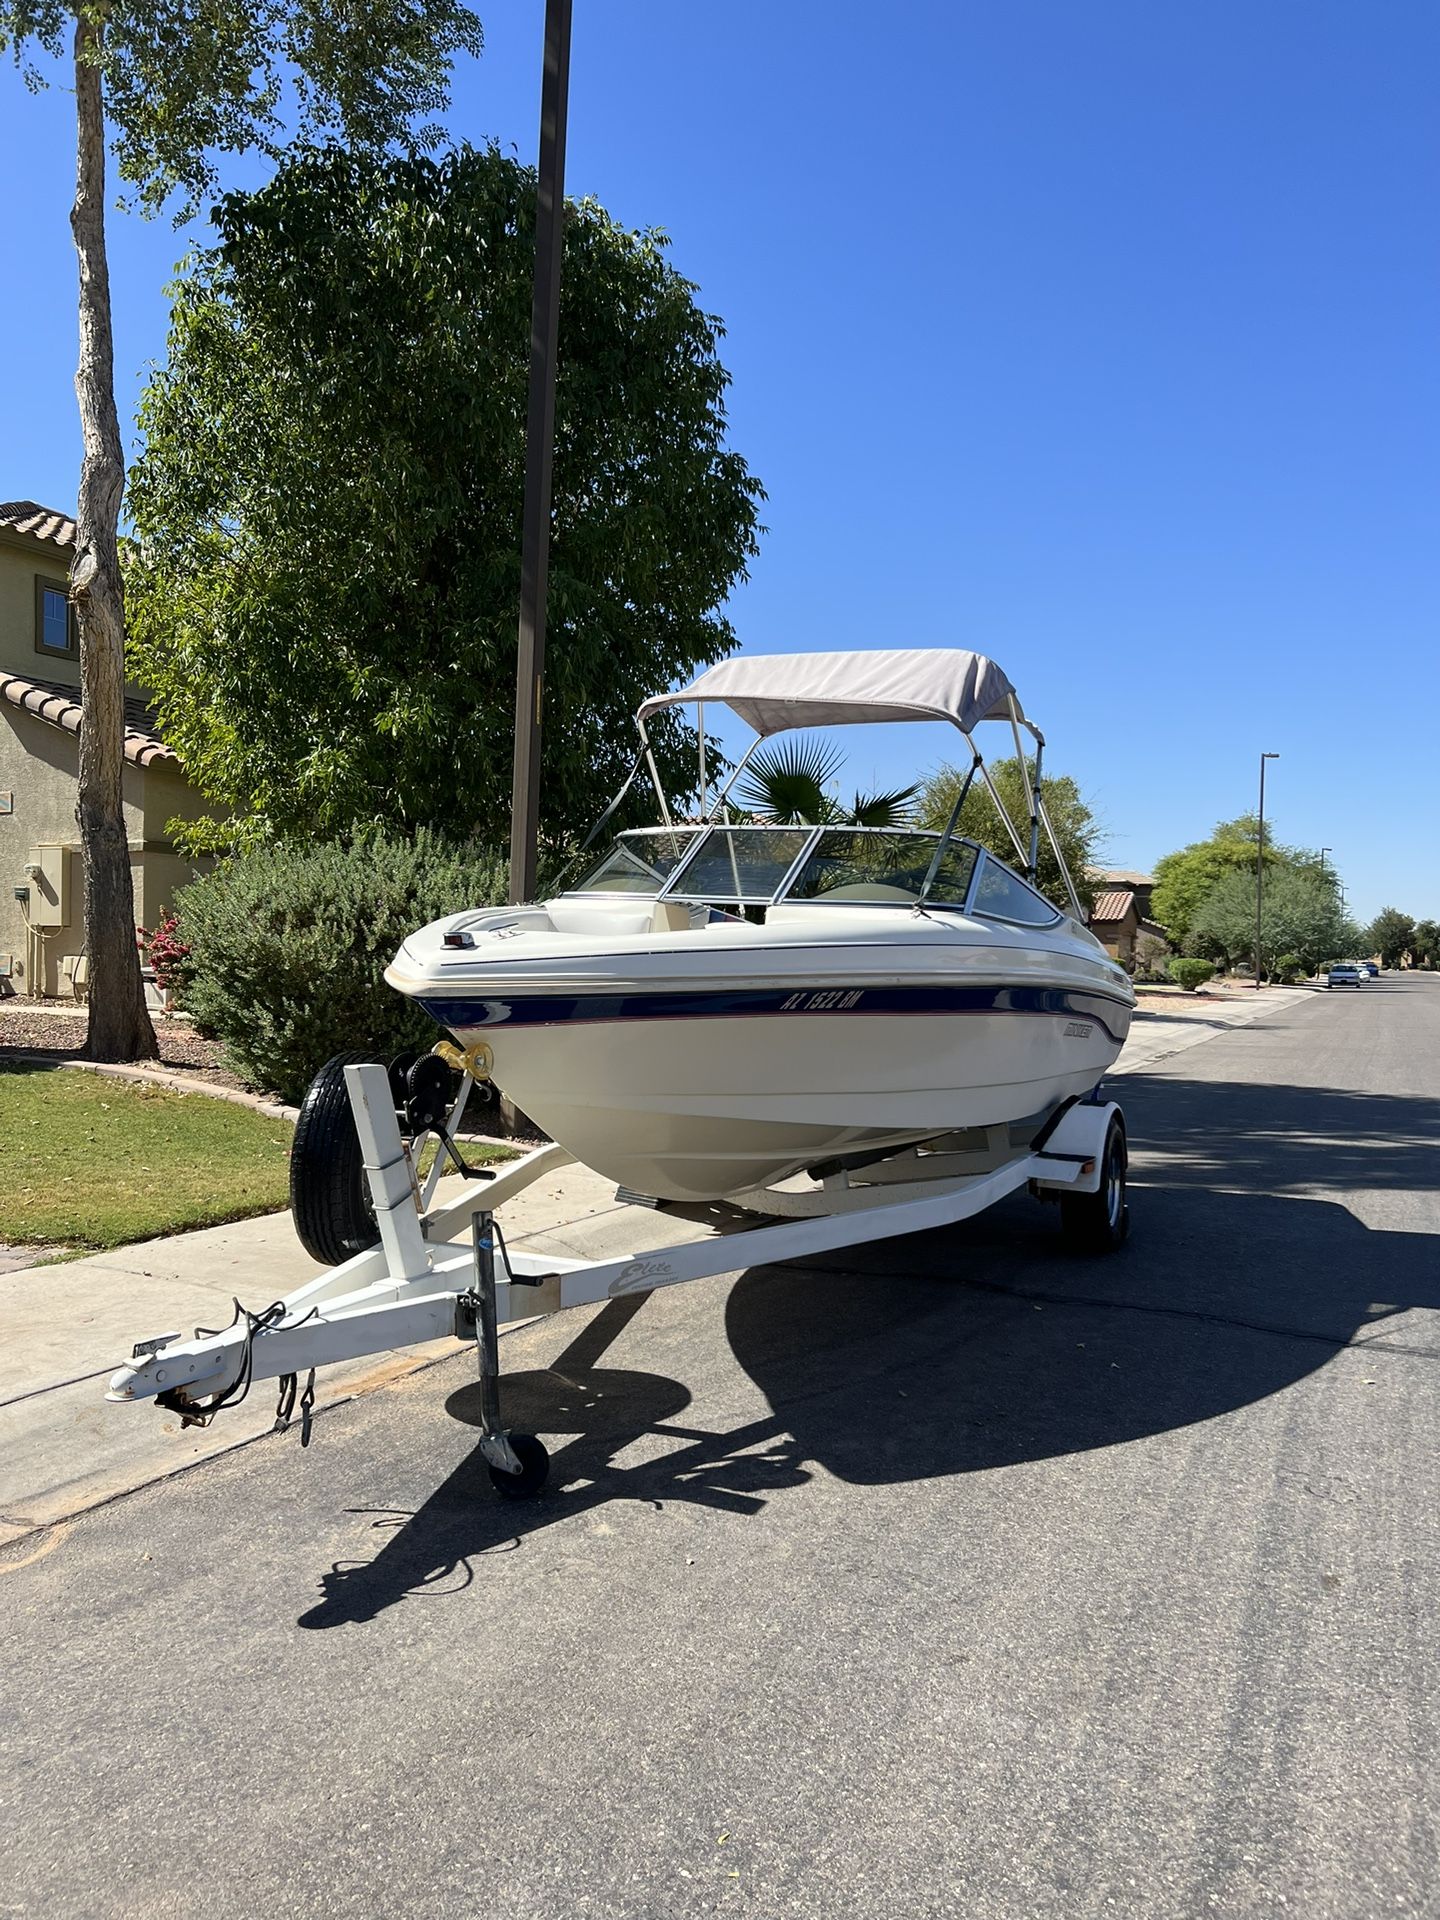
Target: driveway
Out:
[947,1577]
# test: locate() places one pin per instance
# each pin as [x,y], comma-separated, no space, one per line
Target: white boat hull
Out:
[693,1064]
[684,1108]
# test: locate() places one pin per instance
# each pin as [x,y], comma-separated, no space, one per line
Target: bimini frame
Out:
[780,693]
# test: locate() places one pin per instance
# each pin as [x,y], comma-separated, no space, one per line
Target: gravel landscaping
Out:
[38,1026]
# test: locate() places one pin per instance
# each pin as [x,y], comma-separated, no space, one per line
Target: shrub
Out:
[1191,973]
[1289,968]
[288,943]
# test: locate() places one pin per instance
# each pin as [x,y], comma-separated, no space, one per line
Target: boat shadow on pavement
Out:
[982,1346]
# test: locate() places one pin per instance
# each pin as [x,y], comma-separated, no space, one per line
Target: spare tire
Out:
[329,1194]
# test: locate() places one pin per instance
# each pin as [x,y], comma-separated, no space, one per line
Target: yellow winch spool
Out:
[478,1061]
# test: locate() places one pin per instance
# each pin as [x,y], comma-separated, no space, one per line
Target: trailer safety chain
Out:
[286,1405]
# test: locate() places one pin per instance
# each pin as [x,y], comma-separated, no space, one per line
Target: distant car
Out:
[1371,968]
[1345,973]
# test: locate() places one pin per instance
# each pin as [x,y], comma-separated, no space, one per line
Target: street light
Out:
[1260,864]
[1323,852]
[539,446]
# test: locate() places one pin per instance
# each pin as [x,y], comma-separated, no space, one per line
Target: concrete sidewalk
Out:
[65,1328]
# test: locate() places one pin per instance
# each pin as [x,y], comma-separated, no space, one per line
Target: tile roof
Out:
[60,706]
[1112,906]
[43,523]
[1121,877]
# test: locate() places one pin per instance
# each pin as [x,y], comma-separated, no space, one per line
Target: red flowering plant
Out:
[168,954]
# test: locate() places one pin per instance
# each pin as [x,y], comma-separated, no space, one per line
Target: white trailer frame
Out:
[416,1285]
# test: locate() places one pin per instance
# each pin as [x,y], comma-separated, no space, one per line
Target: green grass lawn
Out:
[87,1161]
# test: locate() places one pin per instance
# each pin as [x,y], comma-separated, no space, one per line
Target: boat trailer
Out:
[418,1285]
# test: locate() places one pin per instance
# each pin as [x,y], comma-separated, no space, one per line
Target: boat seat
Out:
[671,916]
[572,916]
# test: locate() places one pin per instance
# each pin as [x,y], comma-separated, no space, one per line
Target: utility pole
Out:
[539,449]
[1260,864]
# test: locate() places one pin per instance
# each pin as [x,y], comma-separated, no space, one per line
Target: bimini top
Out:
[771,692]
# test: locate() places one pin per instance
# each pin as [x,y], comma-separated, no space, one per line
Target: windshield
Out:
[751,866]
[640,862]
[883,869]
[743,865]
[1002,895]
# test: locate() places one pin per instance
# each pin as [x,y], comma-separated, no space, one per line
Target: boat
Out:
[719,1005]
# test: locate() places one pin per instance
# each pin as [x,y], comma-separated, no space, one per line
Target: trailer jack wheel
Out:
[534,1468]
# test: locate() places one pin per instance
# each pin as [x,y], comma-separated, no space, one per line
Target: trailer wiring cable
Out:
[192,1415]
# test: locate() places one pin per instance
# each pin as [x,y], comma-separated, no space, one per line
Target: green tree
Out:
[1426,944]
[1185,879]
[326,591]
[1302,915]
[1080,834]
[172,88]
[1392,936]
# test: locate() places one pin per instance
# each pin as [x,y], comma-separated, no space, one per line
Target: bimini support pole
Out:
[1075,906]
[735,773]
[1031,792]
[1040,813]
[1034,867]
[950,826]
[1000,807]
[649,754]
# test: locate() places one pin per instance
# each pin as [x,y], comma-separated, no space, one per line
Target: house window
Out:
[55,630]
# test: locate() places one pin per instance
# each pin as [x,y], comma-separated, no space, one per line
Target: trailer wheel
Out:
[329,1194]
[534,1469]
[1099,1222]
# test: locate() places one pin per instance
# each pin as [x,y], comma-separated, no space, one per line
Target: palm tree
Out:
[787,784]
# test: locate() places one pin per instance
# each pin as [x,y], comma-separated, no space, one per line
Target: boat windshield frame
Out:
[674,886]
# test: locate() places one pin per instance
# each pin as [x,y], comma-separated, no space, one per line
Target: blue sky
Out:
[1102,338]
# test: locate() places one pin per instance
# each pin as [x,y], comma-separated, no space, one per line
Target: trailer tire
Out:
[1099,1222]
[329,1194]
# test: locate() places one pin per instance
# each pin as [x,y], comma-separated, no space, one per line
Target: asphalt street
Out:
[953,1576]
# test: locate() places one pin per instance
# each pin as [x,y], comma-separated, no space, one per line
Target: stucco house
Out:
[42,934]
[1121,914]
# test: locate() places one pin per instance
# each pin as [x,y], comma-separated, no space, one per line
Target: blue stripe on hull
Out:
[544,1010]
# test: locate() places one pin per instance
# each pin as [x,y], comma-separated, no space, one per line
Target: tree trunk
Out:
[120,1026]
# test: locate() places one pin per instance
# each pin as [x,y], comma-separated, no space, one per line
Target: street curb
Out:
[187,1083]
[160,1077]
